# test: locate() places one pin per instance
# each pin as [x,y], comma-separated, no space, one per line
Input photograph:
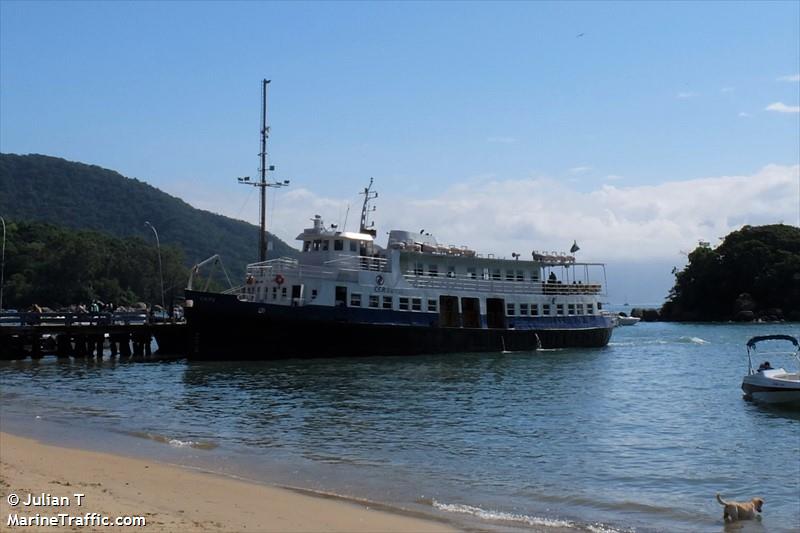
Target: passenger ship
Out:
[348,296]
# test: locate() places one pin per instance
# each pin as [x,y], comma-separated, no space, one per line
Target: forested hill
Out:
[66,193]
[753,274]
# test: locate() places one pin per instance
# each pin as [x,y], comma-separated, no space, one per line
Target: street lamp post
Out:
[3,264]
[160,270]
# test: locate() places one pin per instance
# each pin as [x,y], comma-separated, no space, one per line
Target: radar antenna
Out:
[369,194]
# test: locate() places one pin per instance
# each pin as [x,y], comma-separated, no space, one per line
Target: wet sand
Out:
[172,498]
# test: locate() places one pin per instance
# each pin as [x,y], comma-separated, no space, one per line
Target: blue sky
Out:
[429,98]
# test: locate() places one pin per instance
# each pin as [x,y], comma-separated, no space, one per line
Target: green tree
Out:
[55,267]
[759,265]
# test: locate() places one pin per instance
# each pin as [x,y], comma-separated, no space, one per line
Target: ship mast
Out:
[262,241]
[263,184]
[368,195]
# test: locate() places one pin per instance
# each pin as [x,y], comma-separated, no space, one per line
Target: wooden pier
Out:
[82,335]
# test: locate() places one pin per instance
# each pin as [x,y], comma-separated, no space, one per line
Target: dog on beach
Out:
[740,510]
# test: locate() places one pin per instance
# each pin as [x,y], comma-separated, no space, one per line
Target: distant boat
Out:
[771,385]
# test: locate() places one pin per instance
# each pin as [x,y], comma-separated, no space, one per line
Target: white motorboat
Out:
[625,320]
[770,385]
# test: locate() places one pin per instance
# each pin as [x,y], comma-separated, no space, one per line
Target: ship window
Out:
[416,304]
[496,273]
[520,275]
[338,244]
[471,273]
[560,309]
[432,305]
[313,293]
[387,302]
[374,301]
[433,270]
[316,245]
[599,306]
[546,309]
[535,309]
[589,309]
[510,309]
[534,275]
[418,269]
[353,246]
[355,300]
[306,246]
[571,309]
[580,309]
[283,292]
[325,244]
[451,271]
[509,275]
[402,303]
[274,293]
[523,309]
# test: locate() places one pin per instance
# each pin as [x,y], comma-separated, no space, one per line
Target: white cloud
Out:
[649,222]
[793,77]
[743,114]
[579,170]
[501,140]
[687,94]
[614,177]
[780,107]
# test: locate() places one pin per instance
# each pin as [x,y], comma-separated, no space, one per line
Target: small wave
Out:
[501,516]
[693,340]
[527,520]
[600,528]
[175,443]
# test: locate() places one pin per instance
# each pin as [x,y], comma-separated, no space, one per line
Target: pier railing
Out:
[57,318]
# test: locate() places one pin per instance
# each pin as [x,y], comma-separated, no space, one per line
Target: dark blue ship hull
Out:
[224,328]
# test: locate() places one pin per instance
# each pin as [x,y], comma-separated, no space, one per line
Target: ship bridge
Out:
[323,244]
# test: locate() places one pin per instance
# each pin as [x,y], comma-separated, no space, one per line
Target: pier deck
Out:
[35,335]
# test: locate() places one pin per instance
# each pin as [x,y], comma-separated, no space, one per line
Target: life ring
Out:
[279,279]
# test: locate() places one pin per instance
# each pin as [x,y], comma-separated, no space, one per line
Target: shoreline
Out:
[172,498]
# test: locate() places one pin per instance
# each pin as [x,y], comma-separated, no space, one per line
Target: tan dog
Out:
[740,510]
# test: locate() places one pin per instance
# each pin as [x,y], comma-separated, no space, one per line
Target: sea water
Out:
[637,436]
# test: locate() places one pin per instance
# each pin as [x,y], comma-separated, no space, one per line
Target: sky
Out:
[635,128]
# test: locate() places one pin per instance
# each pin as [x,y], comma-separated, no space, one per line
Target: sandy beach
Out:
[169,498]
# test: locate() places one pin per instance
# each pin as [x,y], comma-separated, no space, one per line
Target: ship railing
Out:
[360,262]
[504,286]
[281,261]
[235,290]
[270,269]
[342,268]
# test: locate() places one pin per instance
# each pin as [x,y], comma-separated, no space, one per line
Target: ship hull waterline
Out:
[220,327]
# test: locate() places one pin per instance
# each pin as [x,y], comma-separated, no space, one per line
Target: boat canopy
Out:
[752,342]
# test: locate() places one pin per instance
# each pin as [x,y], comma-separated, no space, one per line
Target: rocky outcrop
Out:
[646,314]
